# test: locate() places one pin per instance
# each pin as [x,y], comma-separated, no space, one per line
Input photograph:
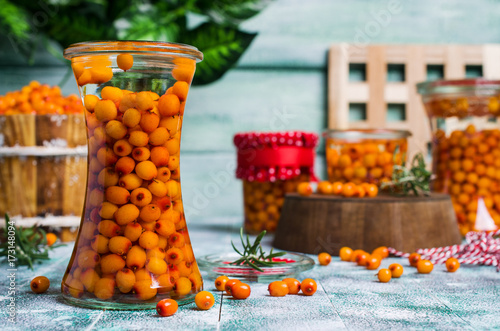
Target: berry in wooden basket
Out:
[304,189]
[278,288]
[384,275]
[204,300]
[452,264]
[324,258]
[166,307]
[40,284]
[325,187]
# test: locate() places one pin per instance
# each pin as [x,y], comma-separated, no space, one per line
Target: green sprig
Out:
[253,255]
[415,179]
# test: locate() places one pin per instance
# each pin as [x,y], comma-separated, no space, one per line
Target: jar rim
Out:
[453,86]
[157,48]
[356,134]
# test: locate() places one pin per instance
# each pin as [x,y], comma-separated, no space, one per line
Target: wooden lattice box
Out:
[375,86]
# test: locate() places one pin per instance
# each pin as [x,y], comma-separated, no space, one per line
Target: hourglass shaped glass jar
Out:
[133,247]
[466,147]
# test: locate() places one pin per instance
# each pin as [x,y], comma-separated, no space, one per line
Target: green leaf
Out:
[231,12]
[15,26]
[221,47]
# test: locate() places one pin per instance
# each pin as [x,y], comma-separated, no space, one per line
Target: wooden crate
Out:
[376,92]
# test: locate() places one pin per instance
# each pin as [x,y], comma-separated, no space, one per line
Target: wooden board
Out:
[326,223]
[376,92]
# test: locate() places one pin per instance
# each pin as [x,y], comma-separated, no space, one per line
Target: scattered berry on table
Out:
[384,275]
[424,266]
[278,288]
[293,285]
[413,259]
[220,283]
[396,270]
[240,291]
[308,286]
[204,300]
[40,284]
[324,258]
[166,307]
[452,264]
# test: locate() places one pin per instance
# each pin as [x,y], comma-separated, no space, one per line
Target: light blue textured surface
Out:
[348,297]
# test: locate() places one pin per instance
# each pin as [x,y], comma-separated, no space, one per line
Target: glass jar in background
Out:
[364,155]
[271,165]
[133,247]
[466,147]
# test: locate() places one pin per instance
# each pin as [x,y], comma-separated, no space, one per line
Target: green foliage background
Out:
[26,23]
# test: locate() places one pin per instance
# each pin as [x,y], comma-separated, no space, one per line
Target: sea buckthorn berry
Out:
[325,187]
[142,274]
[424,266]
[144,101]
[169,105]
[117,195]
[138,138]
[130,181]
[131,117]
[107,177]
[89,278]
[452,264]
[100,74]
[413,259]
[345,254]
[106,156]
[184,268]
[373,262]
[149,121]
[40,284]
[384,275]
[361,258]
[146,170]
[51,238]
[204,300]
[293,285]
[156,265]
[173,189]
[181,90]
[141,197]
[88,259]
[127,102]
[337,188]
[174,256]
[112,93]
[136,258]
[75,288]
[196,281]
[173,163]
[122,147]
[112,263]
[396,270]
[349,189]
[172,124]
[241,291]
[278,289]
[160,156]
[124,166]
[120,245]
[84,78]
[229,285]
[382,251]
[100,244]
[164,227]
[172,146]
[163,174]
[108,228]
[176,239]
[150,213]
[324,258]
[132,231]
[304,189]
[308,286]
[167,307]
[148,240]
[125,280]
[90,101]
[141,153]
[182,286]
[157,188]
[105,110]
[144,289]
[220,283]
[125,61]
[156,252]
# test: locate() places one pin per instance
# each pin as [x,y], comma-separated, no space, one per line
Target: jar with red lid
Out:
[271,165]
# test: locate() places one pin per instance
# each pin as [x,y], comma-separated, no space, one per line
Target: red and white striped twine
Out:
[480,248]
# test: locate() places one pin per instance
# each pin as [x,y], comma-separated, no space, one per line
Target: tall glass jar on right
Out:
[464,118]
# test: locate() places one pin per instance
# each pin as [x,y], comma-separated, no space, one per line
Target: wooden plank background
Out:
[282,76]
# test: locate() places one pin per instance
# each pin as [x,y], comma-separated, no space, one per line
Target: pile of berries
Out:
[348,190]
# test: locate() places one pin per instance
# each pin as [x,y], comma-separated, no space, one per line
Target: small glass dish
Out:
[219,264]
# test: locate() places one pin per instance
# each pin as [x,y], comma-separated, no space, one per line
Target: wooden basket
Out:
[321,223]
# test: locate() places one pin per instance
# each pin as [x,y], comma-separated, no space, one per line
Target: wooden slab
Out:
[326,223]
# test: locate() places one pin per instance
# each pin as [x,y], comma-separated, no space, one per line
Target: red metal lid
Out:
[271,156]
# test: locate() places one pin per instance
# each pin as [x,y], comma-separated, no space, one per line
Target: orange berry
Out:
[104,288]
[293,285]
[373,262]
[362,258]
[349,189]
[51,238]
[124,166]
[337,188]
[141,197]
[413,259]
[324,258]
[424,266]
[90,101]
[381,251]
[156,265]
[181,90]
[325,187]
[100,74]
[220,283]
[125,280]
[148,240]
[229,284]
[167,307]
[145,290]
[304,189]
[452,264]
[384,275]
[345,254]
[146,170]
[160,156]
[182,286]
[120,245]
[112,263]
[278,289]
[204,300]
[111,93]
[150,213]
[241,291]
[117,195]
[396,270]
[131,117]
[105,110]
[169,105]
[158,137]
[308,286]
[125,61]
[138,138]
[141,153]
[40,284]
[371,190]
